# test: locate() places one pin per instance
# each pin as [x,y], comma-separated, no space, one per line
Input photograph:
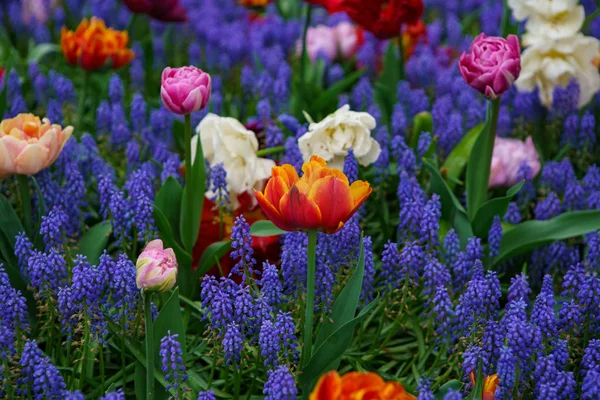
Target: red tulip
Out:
[161,10]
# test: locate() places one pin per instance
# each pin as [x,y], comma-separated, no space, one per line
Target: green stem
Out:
[590,18]
[303,59]
[82,99]
[23,181]
[271,150]
[131,25]
[310,303]
[401,50]
[505,18]
[149,346]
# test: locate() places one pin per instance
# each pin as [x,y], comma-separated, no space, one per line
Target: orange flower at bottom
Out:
[357,386]
[490,384]
[322,199]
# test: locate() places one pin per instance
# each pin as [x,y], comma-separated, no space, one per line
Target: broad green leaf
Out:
[330,95]
[386,85]
[452,210]
[94,241]
[265,228]
[334,346]
[168,200]
[478,167]
[422,123]
[485,215]
[528,235]
[210,256]
[184,259]
[10,227]
[192,213]
[344,307]
[39,51]
[445,388]
[458,157]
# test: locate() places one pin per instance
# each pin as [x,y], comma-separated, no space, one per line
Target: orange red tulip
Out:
[322,199]
[357,386]
[92,45]
[490,384]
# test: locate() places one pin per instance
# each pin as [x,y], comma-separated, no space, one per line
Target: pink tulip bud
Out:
[492,64]
[156,268]
[510,155]
[321,41]
[185,90]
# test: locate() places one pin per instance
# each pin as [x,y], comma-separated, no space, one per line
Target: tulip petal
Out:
[276,188]
[287,172]
[334,199]
[6,162]
[360,191]
[32,159]
[271,212]
[299,211]
[328,387]
[360,381]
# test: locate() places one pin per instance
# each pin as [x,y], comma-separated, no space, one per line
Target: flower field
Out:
[300,199]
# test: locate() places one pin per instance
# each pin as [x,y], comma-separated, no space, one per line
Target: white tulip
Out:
[331,138]
[555,27]
[523,9]
[227,141]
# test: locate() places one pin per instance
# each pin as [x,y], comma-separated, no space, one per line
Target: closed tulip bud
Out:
[492,64]
[156,268]
[185,90]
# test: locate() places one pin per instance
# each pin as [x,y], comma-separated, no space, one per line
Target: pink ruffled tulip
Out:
[492,64]
[156,268]
[185,90]
[349,38]
[28,144]
[321,41]
[509,155]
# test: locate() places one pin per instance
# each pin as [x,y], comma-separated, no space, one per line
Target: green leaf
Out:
[41,50]
[485,215]
[458,157]
[477,391]
[169,319]
[531,234]
[265,228]
[480,159]
[334,346]
[385,86]
[422,123]
[168,200]
[344,307]
[210,257]
[330,95]
[452,210]
[184,259]
[445,388]
[94,241]
[191,214]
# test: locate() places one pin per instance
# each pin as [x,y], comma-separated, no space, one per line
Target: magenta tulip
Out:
[185,90]
[161,10]
[492,64]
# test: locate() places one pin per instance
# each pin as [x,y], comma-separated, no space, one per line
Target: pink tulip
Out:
[156,268]
[492,64]
[321,41]
[185,90]
[349,38]
[509,155]
[28,144]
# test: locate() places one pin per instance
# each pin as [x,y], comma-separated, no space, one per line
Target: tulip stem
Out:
[310,303]
[303,59]
[401,73]
[269,151]
[82,99]
[149,345]
[23,181]
[189,174]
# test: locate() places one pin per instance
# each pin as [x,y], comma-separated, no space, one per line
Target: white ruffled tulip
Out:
[546,64]
[227,141]
[555,27]
[331,138]
[523,9]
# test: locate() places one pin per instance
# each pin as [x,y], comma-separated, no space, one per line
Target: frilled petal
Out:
[271,212]
[360,191]
[287,172]
[299,211]
[32,159]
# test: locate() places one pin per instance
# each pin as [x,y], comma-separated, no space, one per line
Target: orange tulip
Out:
[490,384]
[357,386]
[254,3]
[322,199]
[93,44]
